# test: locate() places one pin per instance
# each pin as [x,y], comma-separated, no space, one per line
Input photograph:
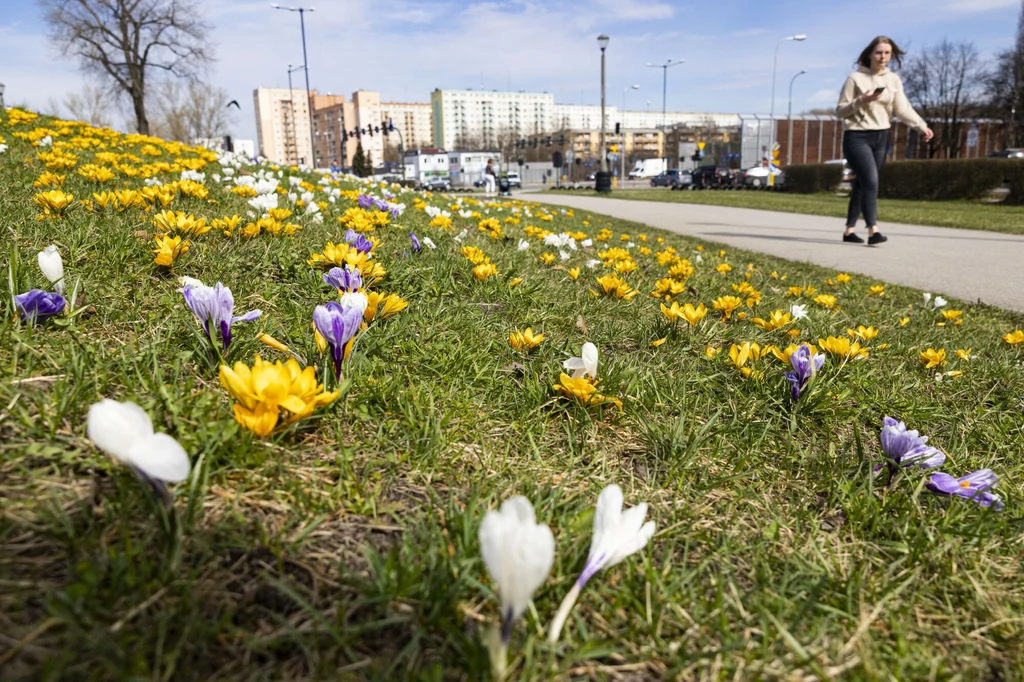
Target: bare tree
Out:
[1005,87]
[942,82]
[94,105]
[190,112]
[125,40]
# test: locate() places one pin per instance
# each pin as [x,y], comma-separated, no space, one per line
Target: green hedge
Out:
[811,178]
[922,180]
[938,179]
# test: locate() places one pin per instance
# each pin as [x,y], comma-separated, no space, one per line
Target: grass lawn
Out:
[344,544]
[971,215]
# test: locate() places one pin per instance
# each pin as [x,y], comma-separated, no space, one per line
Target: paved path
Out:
[969,264]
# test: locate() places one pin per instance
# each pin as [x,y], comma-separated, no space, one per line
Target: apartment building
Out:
[473,118]
[282,125]
[413,119]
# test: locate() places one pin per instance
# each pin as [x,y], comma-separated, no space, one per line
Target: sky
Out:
[407,48]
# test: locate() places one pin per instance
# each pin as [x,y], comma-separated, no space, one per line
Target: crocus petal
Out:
[161,457]
[250,316]
[589,356]
[116,427]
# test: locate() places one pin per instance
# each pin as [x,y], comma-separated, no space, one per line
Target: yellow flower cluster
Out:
[612,285]
[265,389]
[584,390]
[525,340]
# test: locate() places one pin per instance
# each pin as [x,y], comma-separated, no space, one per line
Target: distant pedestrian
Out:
[871,96]
[490,180]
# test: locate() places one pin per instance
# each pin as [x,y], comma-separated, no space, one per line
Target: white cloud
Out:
[823,96]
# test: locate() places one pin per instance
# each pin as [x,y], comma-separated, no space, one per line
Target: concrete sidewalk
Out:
[969,264]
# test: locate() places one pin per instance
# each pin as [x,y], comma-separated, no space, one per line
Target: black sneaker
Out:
[852,238]
[877,238]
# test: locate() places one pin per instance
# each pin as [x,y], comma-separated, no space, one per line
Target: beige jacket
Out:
[876,115]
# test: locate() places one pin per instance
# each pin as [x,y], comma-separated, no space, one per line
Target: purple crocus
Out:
[416,246]
[344,279]
[907,448]
[365,201]
[36,305]
[974,486]
[338,325]
[805,366]
[214,307]
[381,204]
[358,241]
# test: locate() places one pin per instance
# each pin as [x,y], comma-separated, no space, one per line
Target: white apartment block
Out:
[413,119]
[582,117]
[282,125]
[464,118]
[588,117]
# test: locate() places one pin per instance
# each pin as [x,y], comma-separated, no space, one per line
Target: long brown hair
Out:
[865,57]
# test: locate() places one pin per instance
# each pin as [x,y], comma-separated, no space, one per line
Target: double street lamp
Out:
[305,65]
[664,83]
[771,116]
[622,133]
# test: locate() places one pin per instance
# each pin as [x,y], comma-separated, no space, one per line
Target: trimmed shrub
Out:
[1014,178]
[811,178]
[940,179]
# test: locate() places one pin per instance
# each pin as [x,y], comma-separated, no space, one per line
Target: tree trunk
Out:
[139,104]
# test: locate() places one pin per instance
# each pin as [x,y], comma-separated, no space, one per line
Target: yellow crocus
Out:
[584,390]
[785,353]
[776,320]
[933,358]
[727,304]
[382,306]
[1014,337]
[877,290]
[485,271]
[574,273]
[826,300]
[525,340]
[863,333]
[841,347]
[613,285]
[964,353]
[54,202]
[168,249]
[263,390]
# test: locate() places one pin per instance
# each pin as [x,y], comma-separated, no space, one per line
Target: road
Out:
[972,265]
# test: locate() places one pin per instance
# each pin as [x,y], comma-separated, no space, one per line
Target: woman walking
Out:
[871,96]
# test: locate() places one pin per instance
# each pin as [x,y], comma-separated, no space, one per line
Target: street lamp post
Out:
[602,181]
[622,133]
[291,105]
[771,115]
[1,95]
[664,83]
[305,65]
[789,119]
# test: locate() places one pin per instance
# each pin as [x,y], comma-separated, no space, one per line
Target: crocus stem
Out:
[555,629]
[498,649]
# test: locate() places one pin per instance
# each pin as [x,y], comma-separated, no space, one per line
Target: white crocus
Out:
[125,432]
[938,303]
[354,299]
[523,245]
[798,311]
[564,255]
[53,267]
[429,243]
[586,364]
[518,553]
[592,263]
[587,243]
[617,534]
[927,298]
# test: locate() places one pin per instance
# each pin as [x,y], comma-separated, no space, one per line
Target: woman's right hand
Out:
[869,97]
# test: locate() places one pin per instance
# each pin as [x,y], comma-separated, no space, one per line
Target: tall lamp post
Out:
[603,181]
[291,104]
[622,136]
[789,119]
[1,95]
[305,65]
[771,116]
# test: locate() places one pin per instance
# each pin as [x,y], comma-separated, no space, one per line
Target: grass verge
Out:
[346,545]
[969,215]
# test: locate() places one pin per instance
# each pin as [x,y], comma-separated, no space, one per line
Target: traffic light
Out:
[547,142]
[618,128]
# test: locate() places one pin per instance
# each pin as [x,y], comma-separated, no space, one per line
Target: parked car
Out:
[683,181]
[513,179]
[591,176]
[713,177]
[757,177]
[1015,153]
[436,185]
[665,178]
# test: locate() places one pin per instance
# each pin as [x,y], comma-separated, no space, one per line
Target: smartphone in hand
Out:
[879,89]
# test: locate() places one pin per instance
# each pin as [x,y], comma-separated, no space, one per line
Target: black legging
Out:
[865,154]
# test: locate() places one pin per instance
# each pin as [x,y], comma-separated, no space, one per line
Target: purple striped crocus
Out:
[36,305]
[344,279]
[974,486]
[365,201]
[907,448]
[416,246]
[338,325]
[805,366]
[214,308]
[358,241]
